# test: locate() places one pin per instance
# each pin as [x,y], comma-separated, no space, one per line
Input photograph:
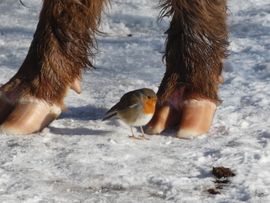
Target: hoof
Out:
[163,118]
[6,107]
[30,115]
[197,117]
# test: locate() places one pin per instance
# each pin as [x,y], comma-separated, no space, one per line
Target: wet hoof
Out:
[196,119]
[191,117]
[30,115]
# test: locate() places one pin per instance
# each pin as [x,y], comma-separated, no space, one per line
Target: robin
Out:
[135,108]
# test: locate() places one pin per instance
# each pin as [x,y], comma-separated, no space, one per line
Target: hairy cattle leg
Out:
[196,47]
[62,45]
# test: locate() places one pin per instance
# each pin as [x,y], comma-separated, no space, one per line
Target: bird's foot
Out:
[142,137]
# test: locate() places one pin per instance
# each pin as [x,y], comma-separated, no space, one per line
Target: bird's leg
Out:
[142,137]
[58,53]
[142,131]
[143,134]
[132,134]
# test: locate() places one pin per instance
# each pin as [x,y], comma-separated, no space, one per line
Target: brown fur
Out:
[65,40]
[62,45]
[196,47]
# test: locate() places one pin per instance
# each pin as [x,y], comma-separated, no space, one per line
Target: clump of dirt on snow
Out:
[222,176]
[222,172]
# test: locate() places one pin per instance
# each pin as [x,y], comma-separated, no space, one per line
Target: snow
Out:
[79,158]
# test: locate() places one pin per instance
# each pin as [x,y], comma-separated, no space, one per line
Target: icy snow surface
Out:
[79,158]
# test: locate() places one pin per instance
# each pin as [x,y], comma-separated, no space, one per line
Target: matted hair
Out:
[196,46]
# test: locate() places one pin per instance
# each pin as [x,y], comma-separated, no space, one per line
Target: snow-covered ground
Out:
[79,158]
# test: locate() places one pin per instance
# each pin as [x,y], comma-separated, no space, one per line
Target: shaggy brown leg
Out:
[60,50]
[196,47]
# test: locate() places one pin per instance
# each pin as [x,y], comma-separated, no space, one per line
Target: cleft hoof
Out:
[158,122]
[197,117]
[165,116]
[30,115]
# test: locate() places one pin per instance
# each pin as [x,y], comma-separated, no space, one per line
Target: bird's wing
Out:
[127,101]
[133,105]
[111,113]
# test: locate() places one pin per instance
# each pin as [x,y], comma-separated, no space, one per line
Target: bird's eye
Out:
[148,97]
